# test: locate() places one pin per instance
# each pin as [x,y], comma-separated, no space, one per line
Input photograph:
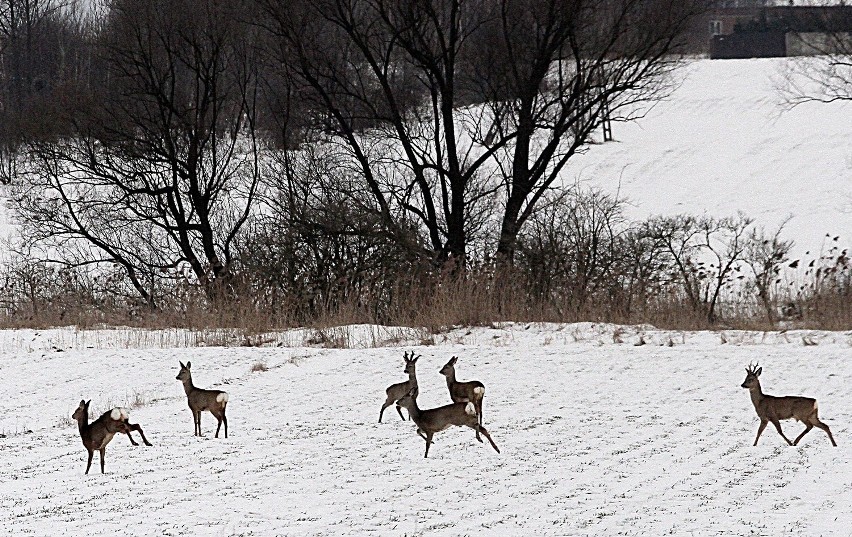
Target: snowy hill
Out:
[723,142]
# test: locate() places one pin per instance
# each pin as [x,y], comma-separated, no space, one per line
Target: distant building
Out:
[763,29]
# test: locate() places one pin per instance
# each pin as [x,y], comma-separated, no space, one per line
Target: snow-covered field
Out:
[598,437]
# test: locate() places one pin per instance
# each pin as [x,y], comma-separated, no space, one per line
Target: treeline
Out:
[270,162]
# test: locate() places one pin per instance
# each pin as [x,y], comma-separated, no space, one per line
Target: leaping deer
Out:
[99,433]
[433,420]
[772,409]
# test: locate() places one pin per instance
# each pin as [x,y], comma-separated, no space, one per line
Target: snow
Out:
[723,142]
[598,437]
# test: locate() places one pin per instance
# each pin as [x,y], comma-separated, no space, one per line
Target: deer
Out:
[200,400]
[471,391]
[395,392]
[433,420]
[772,409]
[99,433]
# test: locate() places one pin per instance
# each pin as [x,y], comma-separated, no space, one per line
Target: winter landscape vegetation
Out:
[324,207]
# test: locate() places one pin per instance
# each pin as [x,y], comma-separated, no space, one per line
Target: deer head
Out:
[449,366]
[184,373]
[752,372]
[82,411]
[410,362]
[409,399]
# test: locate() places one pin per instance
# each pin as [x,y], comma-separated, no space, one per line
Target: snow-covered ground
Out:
[598,437]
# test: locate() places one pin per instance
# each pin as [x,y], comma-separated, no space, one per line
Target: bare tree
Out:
[765,256]
[568,66]
[706,254]
[571,247]
[444,103]
[820,67]
[162,169]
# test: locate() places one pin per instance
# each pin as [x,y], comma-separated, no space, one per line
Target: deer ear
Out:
[181,365]
[758,372]
[188,364]
[453,360]
[87,403]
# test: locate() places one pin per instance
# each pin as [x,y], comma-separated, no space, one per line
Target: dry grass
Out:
[434,303]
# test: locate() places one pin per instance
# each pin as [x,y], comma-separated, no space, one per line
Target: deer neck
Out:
[451,378]
[756,395]
[414,411]
[412,378]
[83,424]
[187,385]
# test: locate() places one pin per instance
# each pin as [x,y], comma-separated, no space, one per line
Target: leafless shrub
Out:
[766,257]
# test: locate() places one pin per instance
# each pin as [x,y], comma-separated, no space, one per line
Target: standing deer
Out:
[463,392]
[771,408]
[99,433]
[434,420]
[395,392]
[200,400]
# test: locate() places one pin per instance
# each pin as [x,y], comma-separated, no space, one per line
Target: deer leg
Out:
[423,436]
[825,428]
[428,443]
[219,425]
[479,409]
[126,430]
[777,425]
[476,427]
[136,427]
[488,436]
[760,430]
[197,416]
[89,464]
[388,403]
[103,454]
[807,428]
[225,421]
[130,437]
[399,411]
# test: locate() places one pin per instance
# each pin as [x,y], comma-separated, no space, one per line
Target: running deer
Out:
[200,400]
[772,409]
[463,392]
[99,433]
[434,420]
[395,392]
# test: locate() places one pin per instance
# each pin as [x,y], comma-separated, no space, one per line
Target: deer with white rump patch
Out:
[772,409]
[200,400]
[433,420]
[395,392]
[99,433]
[471,391]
